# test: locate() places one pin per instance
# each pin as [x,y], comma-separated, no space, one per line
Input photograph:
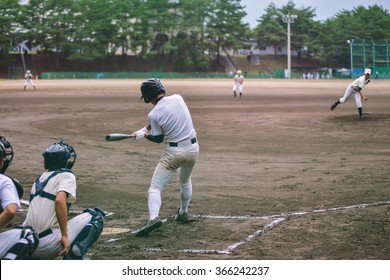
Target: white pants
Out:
[28,82]
[182,158]
[348,92]
[10,237]
[237,87]
[50,246]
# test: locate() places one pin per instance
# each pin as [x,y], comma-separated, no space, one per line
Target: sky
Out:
[324,9]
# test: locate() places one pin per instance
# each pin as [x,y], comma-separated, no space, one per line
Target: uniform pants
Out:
[10,237]
[50,246]
[348,92]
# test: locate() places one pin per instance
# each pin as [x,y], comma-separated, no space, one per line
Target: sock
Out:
[360,109]
[154,205]
[185,198]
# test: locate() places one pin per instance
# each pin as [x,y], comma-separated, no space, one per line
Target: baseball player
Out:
[169,122]
[238,81]
[28,80]
[355,88]
[50,199]
[20,242]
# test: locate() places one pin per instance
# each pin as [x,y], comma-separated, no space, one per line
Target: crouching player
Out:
[20,242]
[51,196]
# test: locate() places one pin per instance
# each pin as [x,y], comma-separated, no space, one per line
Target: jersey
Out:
[8,192]
[41,214]
[238,79]
[170,117]
[359,83]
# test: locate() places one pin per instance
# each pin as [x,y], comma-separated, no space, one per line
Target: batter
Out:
[170,122]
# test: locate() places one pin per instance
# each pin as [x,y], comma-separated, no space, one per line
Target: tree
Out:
[10,16]
[360,23]
[226,28]
[272,30]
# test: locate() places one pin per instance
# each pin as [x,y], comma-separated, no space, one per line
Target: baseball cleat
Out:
[181,217]
[150,226]
[333,107]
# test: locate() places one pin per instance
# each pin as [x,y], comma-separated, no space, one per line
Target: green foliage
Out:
[11,12]
[193,32]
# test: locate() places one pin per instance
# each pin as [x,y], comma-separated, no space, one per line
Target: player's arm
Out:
[62,217]
[7,215]
[362,95]
[155,138]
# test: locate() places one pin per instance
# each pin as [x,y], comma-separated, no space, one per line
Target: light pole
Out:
[289,19]
[350,42]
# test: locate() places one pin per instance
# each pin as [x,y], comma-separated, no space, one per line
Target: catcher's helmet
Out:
[151,88]
[6,152]
[59,155]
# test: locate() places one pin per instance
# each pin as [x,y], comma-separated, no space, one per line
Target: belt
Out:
[177,144]
[45,233]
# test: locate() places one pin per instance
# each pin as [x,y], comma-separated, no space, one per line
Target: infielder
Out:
[355,88]
[28,80]
[238,81]
[20,242]
[50,199]
[170,122]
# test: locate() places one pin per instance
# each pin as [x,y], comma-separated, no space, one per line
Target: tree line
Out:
[193,32]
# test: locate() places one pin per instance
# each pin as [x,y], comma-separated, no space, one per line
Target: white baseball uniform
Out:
[353,88]
[170,117]
[10,237]
[42,215]
[28,80]
[238,81]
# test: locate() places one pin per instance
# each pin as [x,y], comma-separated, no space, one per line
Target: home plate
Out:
[113,230]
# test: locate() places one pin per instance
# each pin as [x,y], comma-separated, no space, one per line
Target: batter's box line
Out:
[277,219]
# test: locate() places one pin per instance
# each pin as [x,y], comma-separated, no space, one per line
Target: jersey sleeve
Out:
[9,195]
[68,185]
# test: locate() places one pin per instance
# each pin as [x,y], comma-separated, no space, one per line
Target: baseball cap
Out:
[367,71]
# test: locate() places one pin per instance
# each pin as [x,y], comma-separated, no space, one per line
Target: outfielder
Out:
[28,80]
[170,122]
[50,199]
[20,242]
[238,81]
[355,88]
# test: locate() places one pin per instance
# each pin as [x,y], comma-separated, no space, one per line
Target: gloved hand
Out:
[137,135]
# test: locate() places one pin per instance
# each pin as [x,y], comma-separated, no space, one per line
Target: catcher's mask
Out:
[59,155]
[150,89]
[6,152]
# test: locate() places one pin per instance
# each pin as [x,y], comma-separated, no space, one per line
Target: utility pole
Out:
[289,19]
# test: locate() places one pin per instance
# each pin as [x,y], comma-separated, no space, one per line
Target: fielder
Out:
[170,122]
[355,88]
[20,242]
[238,81]
[50,199]
[28,80]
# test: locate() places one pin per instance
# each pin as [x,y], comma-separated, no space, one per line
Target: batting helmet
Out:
[150,89]
[59,155]
[6,152]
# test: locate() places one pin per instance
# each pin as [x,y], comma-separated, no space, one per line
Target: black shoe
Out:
[146,229]
[181,217]
[333,107]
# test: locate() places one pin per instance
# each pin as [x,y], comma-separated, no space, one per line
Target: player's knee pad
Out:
[88,235]
[26,246]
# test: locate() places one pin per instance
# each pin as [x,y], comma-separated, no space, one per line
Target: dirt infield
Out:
[279,175]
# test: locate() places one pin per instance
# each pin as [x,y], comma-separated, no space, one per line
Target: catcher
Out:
[50,199]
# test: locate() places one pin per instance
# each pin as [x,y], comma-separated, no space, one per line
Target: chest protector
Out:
[39,186]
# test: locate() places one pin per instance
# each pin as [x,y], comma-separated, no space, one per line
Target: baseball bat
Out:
[117,136]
